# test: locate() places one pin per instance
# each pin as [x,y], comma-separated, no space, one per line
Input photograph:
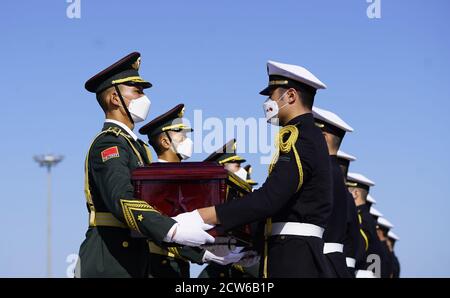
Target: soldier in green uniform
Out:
[119,225]
[249,180]
[167,135]
[227,157]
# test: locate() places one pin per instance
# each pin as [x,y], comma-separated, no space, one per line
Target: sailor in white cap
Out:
[387,261]
[392,239]
[375,213]
[354,250]
[392,236]
[295,200]
[370,200]
[359,186]
[334,129]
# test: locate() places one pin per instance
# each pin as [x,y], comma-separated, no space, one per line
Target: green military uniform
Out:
[170,261]
[110,249]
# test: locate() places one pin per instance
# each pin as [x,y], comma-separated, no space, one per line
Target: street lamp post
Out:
[48,161]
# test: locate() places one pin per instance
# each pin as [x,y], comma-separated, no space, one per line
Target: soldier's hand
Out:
[190,235]
[225,260]
[192,218]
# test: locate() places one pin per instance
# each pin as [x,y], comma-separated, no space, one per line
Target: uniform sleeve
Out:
[110,170]
[266,201]
[369,228]
[356,241]
[193,254]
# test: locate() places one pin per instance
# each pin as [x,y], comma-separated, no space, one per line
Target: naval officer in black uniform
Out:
[359,186]
[334,130]
[387,264]
[353,241]
[296,197]
[392,239]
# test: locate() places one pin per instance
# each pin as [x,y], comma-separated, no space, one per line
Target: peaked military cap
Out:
[249,179]
[359,181]
[171,120]
[371,199]
[342,155]
[384,224]
[375,212]
[227,153]
[330,122]
[393,236]
[290,76]
[124,71]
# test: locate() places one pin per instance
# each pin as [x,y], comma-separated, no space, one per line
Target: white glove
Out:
[192,218]
[189,230]
[225,260]
[249,259]
[190,235]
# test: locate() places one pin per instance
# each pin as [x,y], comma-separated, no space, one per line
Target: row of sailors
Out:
[359,235]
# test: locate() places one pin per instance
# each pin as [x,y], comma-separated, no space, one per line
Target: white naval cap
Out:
[393,235]
[341,154]
[359,180]
[375,212]
[281,73]
[325,119]
[370,199]
[384,223]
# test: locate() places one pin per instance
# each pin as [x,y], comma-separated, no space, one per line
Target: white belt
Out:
[330,247]
[351,262]
[365,274]
[297,229]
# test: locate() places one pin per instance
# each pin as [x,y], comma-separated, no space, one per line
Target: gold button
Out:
[222,274]
[283,237]
[125,244]
[164,262]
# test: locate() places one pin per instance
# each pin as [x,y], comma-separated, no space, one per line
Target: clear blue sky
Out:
[389,78]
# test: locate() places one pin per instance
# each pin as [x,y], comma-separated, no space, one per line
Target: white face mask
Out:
[139,108]
[271,109]
[241,173]
[184,149]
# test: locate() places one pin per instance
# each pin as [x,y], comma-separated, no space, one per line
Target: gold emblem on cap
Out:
[234,146]
[278,82]
[320,125]
[137,64]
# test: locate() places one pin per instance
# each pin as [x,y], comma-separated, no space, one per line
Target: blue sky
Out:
[388,78]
